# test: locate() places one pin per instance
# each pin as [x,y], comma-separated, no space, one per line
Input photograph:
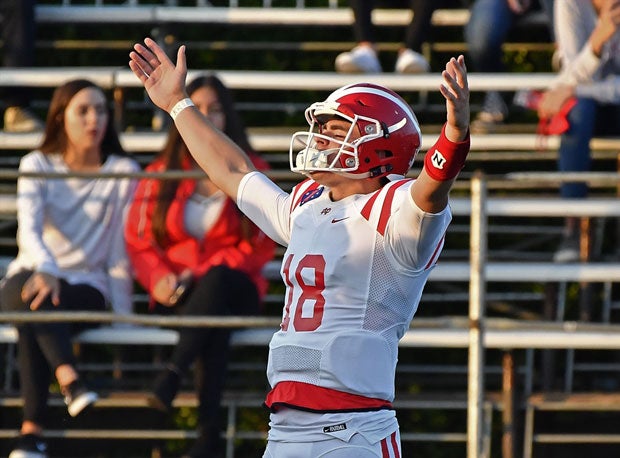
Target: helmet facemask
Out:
[389,134]
[304,155]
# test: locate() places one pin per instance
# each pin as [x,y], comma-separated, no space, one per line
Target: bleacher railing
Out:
[478,332]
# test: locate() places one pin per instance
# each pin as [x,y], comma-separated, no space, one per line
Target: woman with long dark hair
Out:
[71,251]
[196,254]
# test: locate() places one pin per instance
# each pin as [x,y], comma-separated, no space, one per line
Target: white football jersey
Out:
[354,271]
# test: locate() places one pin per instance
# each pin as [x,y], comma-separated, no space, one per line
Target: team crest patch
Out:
[335,428]
[310,195]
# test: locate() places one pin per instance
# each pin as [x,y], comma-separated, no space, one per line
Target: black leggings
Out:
[42,347]
[417,32]
[18,26]
[221,291]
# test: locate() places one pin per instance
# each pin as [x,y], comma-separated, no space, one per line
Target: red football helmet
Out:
[389,132]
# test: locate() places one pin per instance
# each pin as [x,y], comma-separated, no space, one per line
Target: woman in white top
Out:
[71,248]
[589,46]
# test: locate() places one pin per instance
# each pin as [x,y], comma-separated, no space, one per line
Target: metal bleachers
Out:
[516,267]
[297,12]
[440,333]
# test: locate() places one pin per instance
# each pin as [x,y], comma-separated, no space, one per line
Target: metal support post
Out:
[477,288]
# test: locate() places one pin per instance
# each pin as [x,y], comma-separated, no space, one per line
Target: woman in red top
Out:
[196,254]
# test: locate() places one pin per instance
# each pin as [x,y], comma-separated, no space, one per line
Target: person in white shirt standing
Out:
[71,249]
[361,241]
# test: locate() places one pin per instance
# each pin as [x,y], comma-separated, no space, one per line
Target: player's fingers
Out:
[137,70]
[450,66]
[145,53]
[456,72]
[148,61]
[158,55]
[456,68]
[450,81]
[462,74]
[447,93]
[141,56]
[139,66]
[181,59]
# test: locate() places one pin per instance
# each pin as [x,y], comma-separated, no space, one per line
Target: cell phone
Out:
[181,290]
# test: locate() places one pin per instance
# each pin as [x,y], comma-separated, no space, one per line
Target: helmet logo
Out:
[438,160]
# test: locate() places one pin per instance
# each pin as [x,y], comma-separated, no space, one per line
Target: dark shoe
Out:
[568,251]
[78,397]
[202,448]
[29,446]
[166,388]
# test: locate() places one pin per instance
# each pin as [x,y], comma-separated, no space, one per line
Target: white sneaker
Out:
[410,61]
[19,119]
[361,59]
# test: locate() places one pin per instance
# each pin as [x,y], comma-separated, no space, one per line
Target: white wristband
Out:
[180,106]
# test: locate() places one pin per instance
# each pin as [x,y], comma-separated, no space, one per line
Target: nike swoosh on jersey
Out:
[337,220]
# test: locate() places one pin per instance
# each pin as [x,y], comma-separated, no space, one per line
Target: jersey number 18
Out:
[311,294]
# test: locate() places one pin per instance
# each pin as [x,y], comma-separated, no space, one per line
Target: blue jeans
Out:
[489,25]
[587,119]
[18,31]
[574,153]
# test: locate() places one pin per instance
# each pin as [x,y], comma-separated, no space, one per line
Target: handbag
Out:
[554,125]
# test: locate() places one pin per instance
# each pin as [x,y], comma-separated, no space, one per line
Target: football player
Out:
[361,241]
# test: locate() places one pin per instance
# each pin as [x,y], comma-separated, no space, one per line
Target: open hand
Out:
[163,81]
[455,89]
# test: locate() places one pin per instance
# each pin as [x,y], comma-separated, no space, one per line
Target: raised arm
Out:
[217,155]
[446,158]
